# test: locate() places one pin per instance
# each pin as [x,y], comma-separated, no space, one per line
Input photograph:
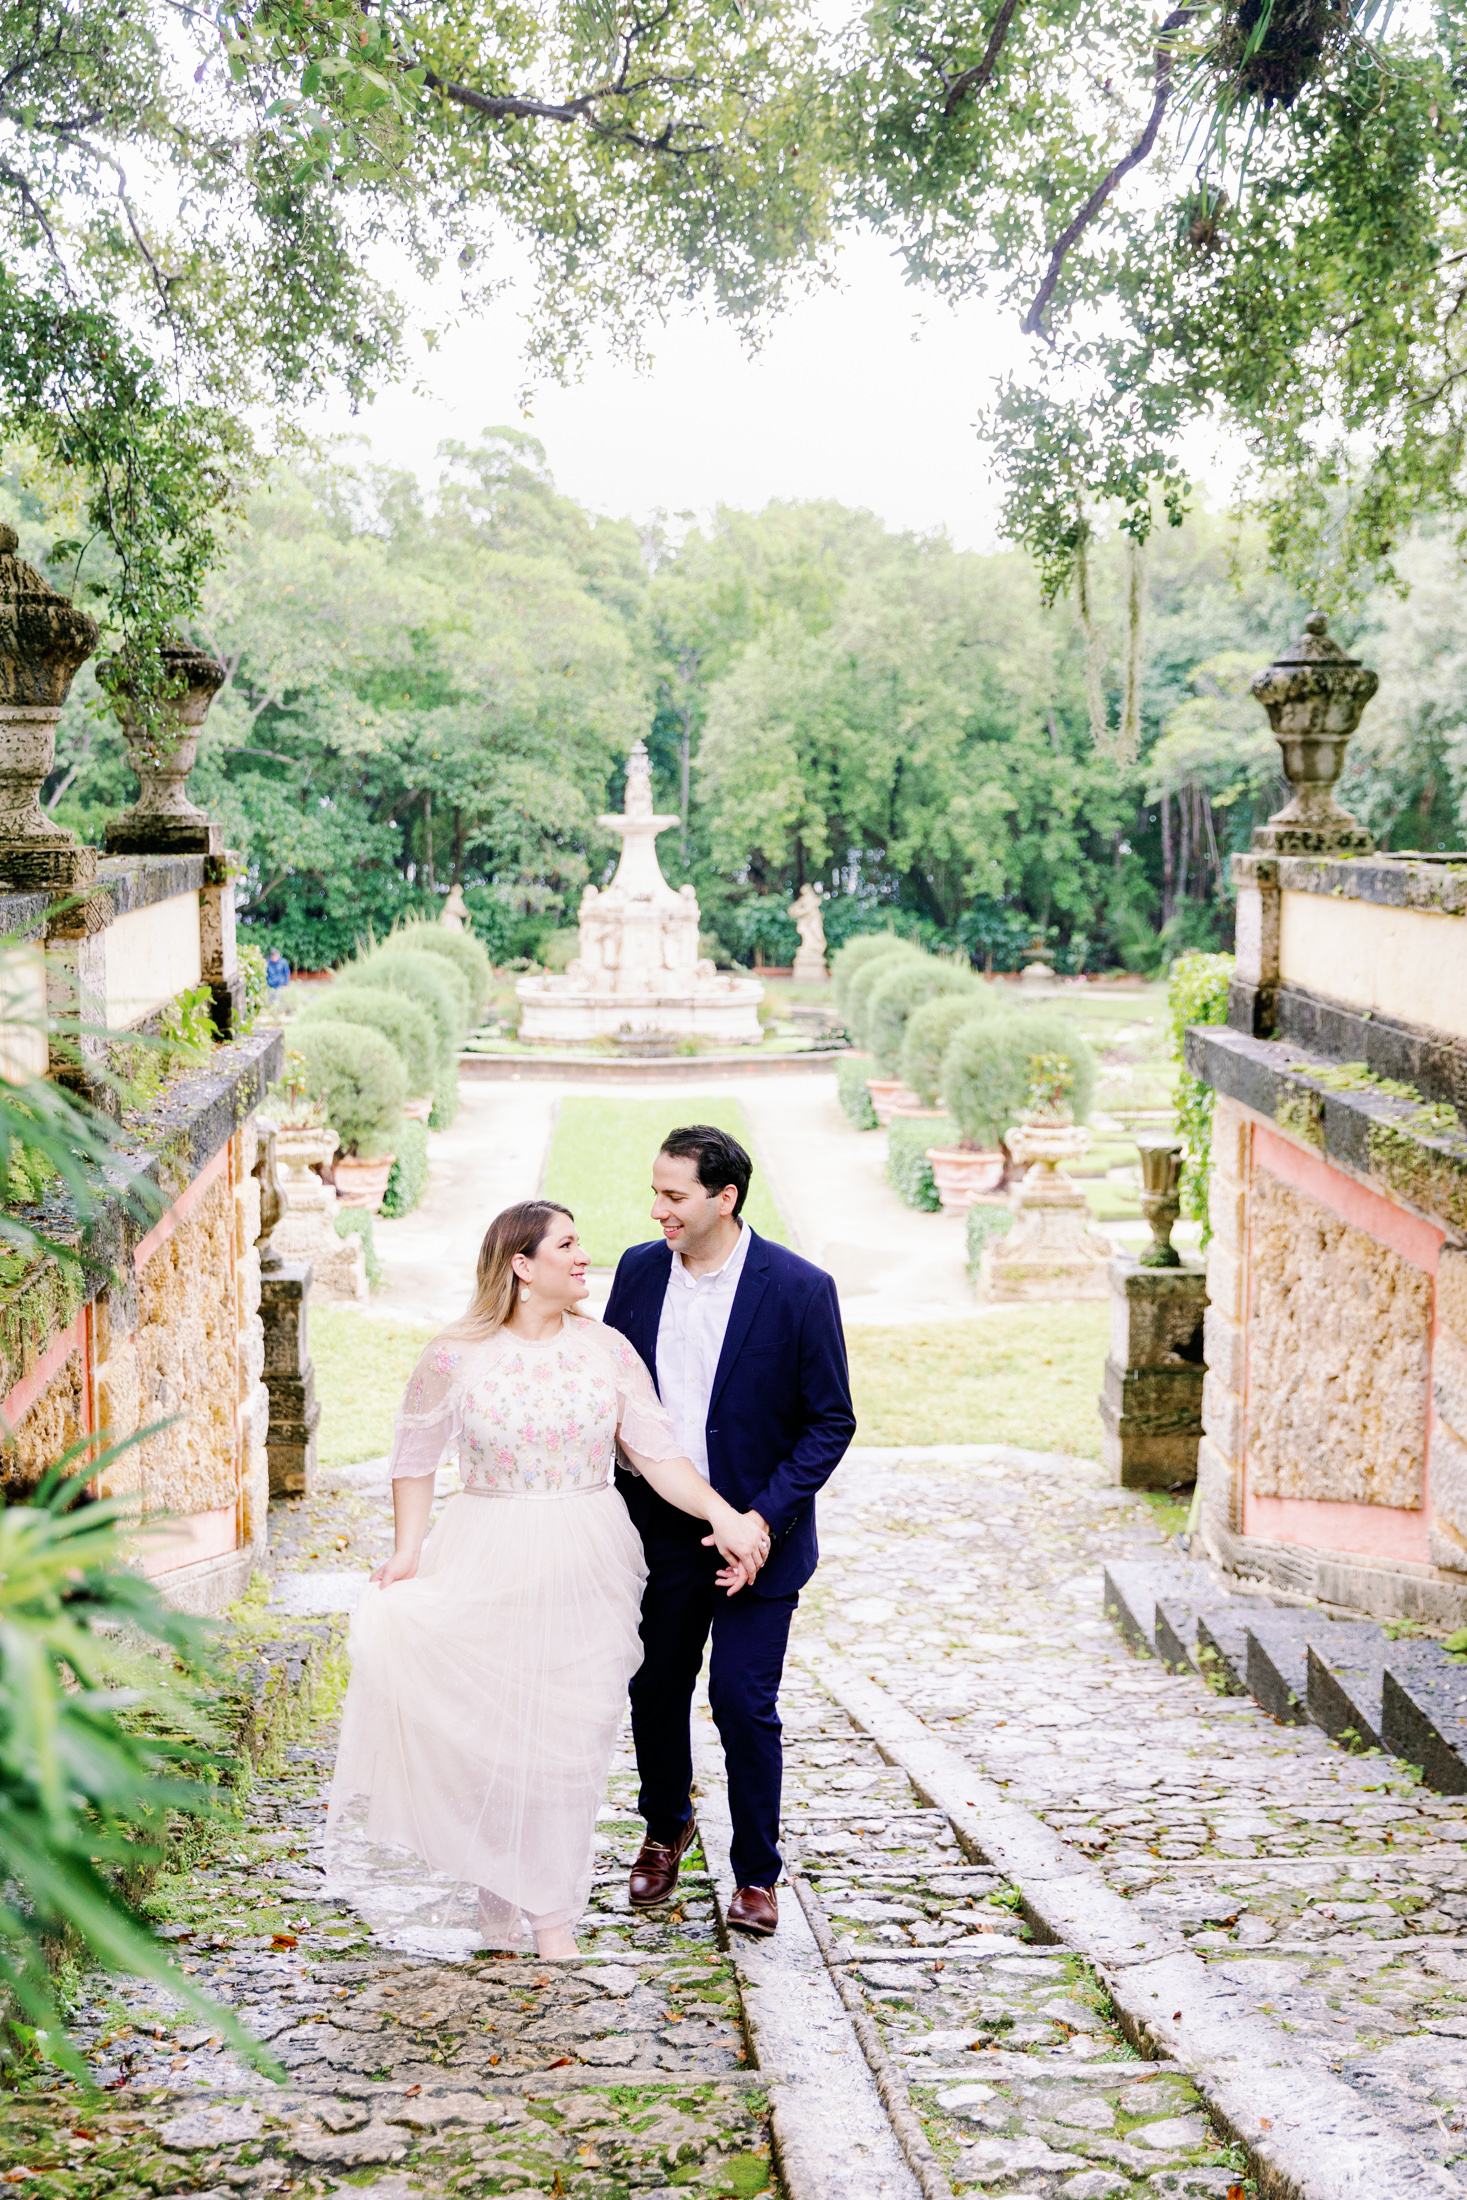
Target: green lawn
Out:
[362,1367]
[1026,1375]
[601,1161]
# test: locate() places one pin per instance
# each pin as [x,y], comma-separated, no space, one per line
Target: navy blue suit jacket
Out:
[779,1417]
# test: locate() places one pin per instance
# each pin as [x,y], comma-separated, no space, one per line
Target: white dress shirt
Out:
[690,1334]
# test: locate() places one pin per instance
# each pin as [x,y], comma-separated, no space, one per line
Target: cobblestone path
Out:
[1329,1889]
[968,1587]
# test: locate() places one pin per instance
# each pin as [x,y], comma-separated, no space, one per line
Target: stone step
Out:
[1346,1668]
[1132,1587]
[1278,1664]
[1424,1713]
[1210,1637]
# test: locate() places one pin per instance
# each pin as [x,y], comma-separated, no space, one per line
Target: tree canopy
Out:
[1249,219]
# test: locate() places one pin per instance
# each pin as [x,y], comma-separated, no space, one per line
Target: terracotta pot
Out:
[362,1183]
[962,1177]
[418,1111]
[888,1093]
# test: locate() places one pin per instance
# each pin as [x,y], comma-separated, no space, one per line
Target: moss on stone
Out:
[1419,1171]
[1301,1113]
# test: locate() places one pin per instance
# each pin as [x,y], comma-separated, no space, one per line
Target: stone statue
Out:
[455,912]
[806,911]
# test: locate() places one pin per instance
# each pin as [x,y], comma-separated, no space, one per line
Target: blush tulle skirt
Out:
[486,1696]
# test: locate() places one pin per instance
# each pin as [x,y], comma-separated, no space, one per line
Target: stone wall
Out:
[1339,1329]
[1334,1455]
[58,1419]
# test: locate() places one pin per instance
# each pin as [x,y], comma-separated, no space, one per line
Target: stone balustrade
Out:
[152,1337]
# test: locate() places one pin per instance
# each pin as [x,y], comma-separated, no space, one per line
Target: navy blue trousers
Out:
[681,1608]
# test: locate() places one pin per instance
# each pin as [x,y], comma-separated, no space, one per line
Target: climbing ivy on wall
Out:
[1197,993]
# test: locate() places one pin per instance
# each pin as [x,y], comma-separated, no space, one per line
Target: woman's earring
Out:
[524,1290]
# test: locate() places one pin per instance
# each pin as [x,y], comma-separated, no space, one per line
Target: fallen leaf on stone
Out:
[283,1940]
[560,2063]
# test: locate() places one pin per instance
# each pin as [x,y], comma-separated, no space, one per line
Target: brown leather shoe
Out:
[754,1910]
[654,1875]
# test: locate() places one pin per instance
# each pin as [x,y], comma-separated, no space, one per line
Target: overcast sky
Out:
[867,394]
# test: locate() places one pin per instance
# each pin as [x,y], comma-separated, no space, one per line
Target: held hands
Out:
[743,1540]
[400,1567]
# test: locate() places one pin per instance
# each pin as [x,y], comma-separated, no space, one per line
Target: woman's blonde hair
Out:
[520,1229]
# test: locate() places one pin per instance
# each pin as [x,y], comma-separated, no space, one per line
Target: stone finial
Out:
[1314,695]
[1161,1197]
[43,639]
[163,821]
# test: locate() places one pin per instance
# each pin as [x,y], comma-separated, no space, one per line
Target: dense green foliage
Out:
[467,955]
[930,1031]
[357,1076]
[986,1221]
[409,1176]
[851,1073]
[907,1165]
[850,956]
[989,1069]
[895,995]
[397,1016]
[102,1742]
[1197,993]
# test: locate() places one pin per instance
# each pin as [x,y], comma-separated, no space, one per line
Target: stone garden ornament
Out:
[163,821]
[43,639]
[1314,695]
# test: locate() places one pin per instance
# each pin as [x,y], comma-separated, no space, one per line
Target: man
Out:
[277,974]
[744,1341]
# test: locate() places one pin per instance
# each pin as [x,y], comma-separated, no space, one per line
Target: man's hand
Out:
[400,1567]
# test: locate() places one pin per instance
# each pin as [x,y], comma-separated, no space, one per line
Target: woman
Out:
[490,1662]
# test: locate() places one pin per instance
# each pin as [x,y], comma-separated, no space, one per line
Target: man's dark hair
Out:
[720,1159]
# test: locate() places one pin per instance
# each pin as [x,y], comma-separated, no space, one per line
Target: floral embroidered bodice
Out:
[530,1419]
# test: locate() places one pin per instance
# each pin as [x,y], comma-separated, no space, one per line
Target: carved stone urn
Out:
[1161,1197]
[1314,695]
[307,1229]
[1051,1251]
[163,821]
[43,639]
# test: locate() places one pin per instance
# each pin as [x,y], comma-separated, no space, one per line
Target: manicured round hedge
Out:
[930,1031]
[358,1077]
[894,996]
[399,1019]
[459,948]
[847,960]
[425,979]
[900,955]
[409,1179]
[985,1072]
[423,966]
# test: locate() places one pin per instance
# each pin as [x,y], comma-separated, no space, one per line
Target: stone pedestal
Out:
[307,1229]
[1051,1251]
[1151,1406]
[290,1378]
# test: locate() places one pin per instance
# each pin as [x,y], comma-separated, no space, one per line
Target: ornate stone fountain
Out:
[639,969]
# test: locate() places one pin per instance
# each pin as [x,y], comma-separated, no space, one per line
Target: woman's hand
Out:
[400,1567]
[741,1538]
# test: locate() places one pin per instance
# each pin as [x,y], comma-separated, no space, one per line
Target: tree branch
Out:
[1034,318]
[974,79]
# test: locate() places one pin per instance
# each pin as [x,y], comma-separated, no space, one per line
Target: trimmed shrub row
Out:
[907,1164]
[957,1042]
[390,1030]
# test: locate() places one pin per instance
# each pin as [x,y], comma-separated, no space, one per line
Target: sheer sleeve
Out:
[641,1417]
[430,1419]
